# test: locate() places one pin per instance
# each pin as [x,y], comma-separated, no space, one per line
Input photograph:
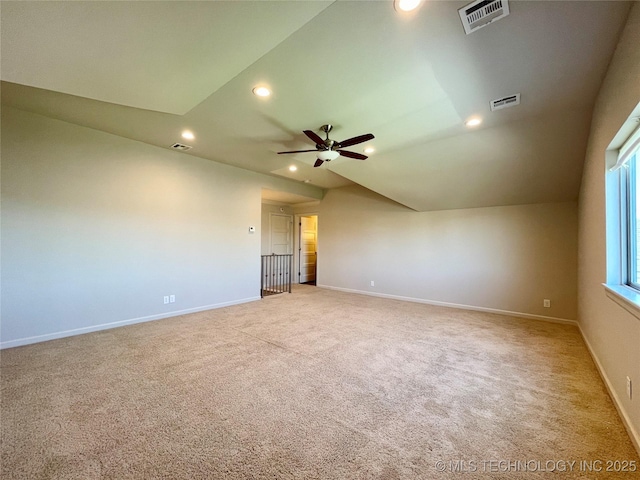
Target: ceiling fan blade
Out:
[298,151]
[357,156]
[313,136]
[318,163]
[356,140]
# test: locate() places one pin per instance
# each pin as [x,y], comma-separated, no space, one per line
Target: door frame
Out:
[296,243]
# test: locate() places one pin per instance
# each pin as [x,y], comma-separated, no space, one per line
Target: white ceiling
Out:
[148,70]
[163,56]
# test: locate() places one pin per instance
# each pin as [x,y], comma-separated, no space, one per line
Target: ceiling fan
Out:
[330,149]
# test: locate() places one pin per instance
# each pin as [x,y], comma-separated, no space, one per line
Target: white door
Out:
[281,238]
[308,248]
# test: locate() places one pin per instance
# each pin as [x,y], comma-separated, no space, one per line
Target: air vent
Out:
[505,102]
[481,13]
[181,146]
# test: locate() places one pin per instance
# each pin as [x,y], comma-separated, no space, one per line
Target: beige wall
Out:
[97,229]
[612,333]
[500,258]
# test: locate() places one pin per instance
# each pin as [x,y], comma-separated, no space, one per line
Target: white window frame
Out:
[620,208]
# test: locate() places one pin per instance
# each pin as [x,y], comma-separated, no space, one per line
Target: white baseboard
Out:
[455,305]
[633,433]
[105,326]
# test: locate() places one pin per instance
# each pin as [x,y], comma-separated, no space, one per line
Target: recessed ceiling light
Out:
[369,150]
[188,135]
[261,91]
[406,5]
[473,122]
[293,168]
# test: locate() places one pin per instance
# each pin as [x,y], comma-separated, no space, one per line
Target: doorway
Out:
[307,249]
[276,269]
[280,234]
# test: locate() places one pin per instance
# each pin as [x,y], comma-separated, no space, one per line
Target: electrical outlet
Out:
[373,284]
[629,390]
[172,299]
[546,303]
[166,299]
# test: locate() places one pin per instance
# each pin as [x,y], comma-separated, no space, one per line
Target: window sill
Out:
[626,297]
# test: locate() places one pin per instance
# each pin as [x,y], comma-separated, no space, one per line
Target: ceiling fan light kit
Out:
[328,155]
[327,149]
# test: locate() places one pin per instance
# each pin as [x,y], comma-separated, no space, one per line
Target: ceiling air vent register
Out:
[181,147]
[481,13]
[504,102]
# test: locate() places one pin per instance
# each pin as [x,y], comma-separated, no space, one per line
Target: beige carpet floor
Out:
[316,384]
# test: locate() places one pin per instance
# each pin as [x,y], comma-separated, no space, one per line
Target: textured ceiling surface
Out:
[149,70]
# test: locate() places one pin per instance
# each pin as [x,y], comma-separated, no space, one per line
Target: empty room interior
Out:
[320,239]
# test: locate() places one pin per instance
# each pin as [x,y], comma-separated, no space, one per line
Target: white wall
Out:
[499,258]
[612,333]
[96,229]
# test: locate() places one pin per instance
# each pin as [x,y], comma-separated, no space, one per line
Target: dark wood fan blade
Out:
[357,156]
[313,136]
[318,163]
[298,151]
[356,140]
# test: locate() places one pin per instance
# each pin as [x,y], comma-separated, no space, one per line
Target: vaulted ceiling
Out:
[149,70]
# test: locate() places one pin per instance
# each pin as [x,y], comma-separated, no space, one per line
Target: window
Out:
[631,222]
[623,217]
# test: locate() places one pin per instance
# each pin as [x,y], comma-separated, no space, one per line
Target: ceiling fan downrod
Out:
[329,144]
